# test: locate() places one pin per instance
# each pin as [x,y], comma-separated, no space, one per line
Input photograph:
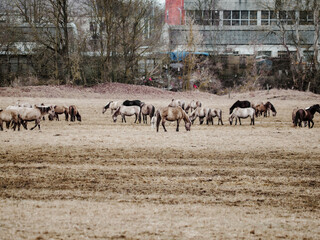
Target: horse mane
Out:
[108,104]
[185,116]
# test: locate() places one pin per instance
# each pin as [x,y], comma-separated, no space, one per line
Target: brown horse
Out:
[147,110]
[74,113]
[294,112]
[9,116]
[34,114]
[214,113]
[172,114]
[176,103]
[60,109]
[306,115]
[265,109]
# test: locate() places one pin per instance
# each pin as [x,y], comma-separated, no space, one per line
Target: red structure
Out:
[174,14]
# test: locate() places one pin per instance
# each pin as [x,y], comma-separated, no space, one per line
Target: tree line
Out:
[122,33]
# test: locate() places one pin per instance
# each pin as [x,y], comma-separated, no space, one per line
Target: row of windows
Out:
[245,18]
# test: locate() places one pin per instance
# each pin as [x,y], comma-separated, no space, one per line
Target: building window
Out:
[287,17]
[306,18]
[236,18]
[264,53]
[215,18]
[268,18]
[227,18]
[204,17]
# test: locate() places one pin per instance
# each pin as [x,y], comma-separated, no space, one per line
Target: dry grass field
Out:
[97,179]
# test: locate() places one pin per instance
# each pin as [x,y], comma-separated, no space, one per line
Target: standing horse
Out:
[9,116]
[60,109]
[239,113]
[34,114]
[294,111]
[240,104]
[215,113]
[201,113]
[147,110]
[112,105]
[132,103]
[176,103]
[306,115]
[127,111]
[272,108]
[172,114]
[74,113]
[265,109]
[193,105]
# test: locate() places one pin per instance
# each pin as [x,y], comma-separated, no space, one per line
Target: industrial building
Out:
[240,27]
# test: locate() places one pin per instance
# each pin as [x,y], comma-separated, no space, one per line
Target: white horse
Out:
[176,103]
[239,113]
[112,105]
[201,113]
[127,111]
[193,105]
[216,112]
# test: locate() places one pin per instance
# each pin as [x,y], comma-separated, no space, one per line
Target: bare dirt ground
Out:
[97,179]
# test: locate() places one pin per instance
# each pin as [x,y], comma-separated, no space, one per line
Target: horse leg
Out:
[164,127]
[1,125]
[312,123]
[36,124]
[178,122]
[239,121]
[66,115]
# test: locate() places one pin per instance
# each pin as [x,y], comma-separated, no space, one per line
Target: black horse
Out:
[241,104]
[306,115]
[132,103]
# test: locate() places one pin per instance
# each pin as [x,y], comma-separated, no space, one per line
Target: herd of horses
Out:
[22,113]
[178,110]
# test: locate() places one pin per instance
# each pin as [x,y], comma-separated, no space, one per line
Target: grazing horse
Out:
[214,113]
[201,113]
[147,110]
[34,114]
[132,103]
[60,109]
[242,113]
[9,116]
[240,104]
[306,115]
[193,105]
[127,111]
[74,113]
[172,114]
[265,109]
[176,103]
[112,105]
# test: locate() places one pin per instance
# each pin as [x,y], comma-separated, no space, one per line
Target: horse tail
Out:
[296,118]
[208,116]
[140,115]
[158,115]
[72,115]
[153,109]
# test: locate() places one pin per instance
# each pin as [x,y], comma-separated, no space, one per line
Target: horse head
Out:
[317,107]
[106,107]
